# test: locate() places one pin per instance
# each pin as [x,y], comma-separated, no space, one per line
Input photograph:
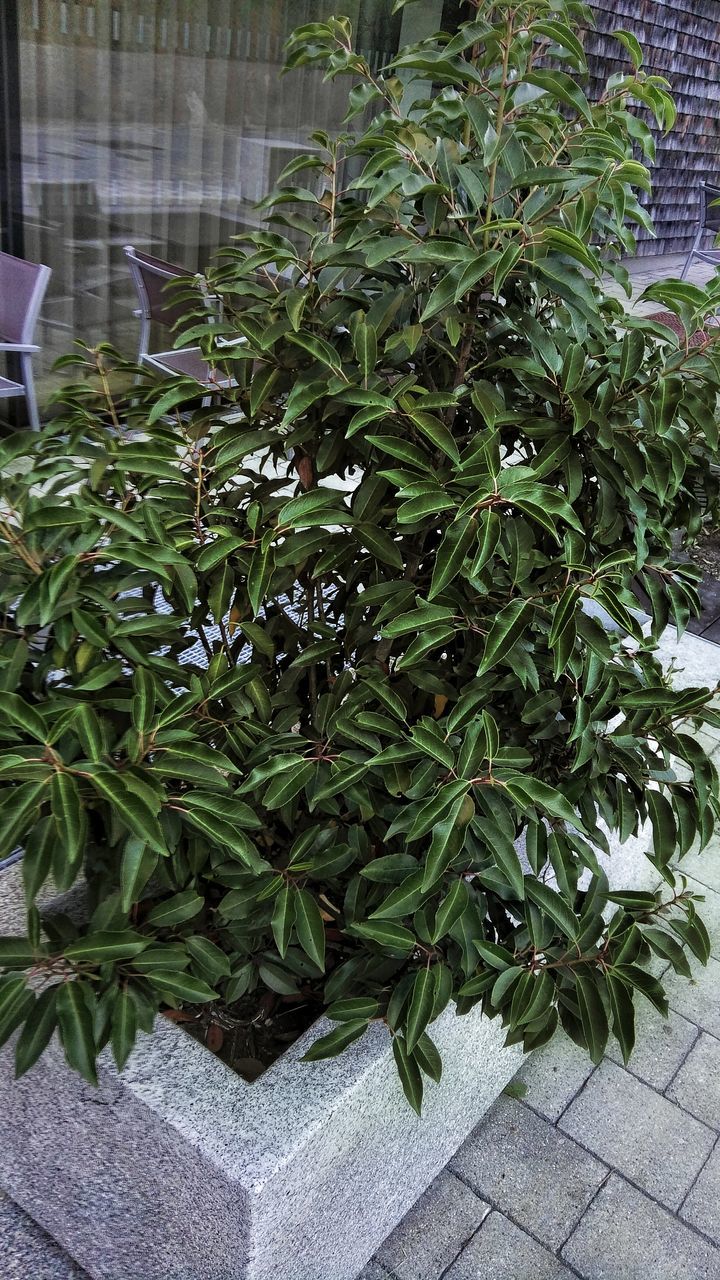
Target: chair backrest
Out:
[709,210]
[22,289]
[150,276]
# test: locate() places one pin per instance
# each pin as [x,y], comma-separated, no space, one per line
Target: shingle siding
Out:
[681,41]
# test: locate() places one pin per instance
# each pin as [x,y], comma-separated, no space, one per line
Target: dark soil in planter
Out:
[249,1035]
[705,553]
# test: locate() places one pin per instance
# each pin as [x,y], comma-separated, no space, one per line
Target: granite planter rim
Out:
[310,1164]
[242,1140]
[252,1131]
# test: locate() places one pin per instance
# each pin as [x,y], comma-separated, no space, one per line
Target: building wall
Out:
[681,40]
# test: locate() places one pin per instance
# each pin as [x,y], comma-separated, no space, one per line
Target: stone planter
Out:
[180,1170]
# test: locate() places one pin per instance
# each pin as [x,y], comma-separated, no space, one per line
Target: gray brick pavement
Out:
[626,1236]
[662,1044]
[522,1164]
[696,1087]
[502,1251]
[702,1206]
[699,1000]
[554,1076]
[637,1131]
[432,1235]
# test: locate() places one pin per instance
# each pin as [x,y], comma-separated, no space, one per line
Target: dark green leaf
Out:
[181,986]
[37,1031]
[592,1012]
[505,632]
[104,947]
[409,1073]
[420,1011]
[176,910]
[124,1028]
[76,1029]
[309,927]
[330,1045]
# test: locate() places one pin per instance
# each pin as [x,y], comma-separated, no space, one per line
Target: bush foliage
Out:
[341,693]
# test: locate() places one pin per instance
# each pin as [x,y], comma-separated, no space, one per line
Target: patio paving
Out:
[657,266]
[594,1172]
[597,1173]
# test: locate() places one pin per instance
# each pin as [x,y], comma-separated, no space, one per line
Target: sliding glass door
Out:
[160,123]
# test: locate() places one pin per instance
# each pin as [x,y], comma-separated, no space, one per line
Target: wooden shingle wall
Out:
[681,41]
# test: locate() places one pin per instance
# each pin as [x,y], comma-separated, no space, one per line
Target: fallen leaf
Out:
[215,1037]
[250,1068]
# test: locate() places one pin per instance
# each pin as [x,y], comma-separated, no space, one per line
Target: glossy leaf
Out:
[76,1030]
[420,1011]
[309,927]
[37,1031]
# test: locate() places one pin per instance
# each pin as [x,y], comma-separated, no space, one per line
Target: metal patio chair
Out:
[709,221]
[150,277]
[22,289]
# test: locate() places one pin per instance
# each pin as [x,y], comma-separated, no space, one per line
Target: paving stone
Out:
[697,663]
[660,1046]
[501,1251]
[702,1207]
[696,1087]
[626,1236]
[432,1234]
[522,1165]
[27,1252]
[710,731]
[703,865]
[707,738]
[373,1271]
[553,1075]
[697,1000]
[640,1133]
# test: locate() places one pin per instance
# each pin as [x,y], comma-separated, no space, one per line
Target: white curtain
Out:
[159,123]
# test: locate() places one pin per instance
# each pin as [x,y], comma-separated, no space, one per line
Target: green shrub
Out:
[403,680]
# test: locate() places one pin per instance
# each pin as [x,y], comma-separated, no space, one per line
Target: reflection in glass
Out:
[160,123]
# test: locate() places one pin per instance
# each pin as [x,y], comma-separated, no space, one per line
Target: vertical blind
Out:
[160,123]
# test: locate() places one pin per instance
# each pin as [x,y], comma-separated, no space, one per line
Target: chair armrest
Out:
[22,347]
[230,342]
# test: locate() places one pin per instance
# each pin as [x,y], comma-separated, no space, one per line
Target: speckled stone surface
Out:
[249,1177]
[626,1236]
[697,661]
[642,1134]
[27,1253]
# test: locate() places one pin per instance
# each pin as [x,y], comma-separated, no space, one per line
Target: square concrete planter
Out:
[180,1170]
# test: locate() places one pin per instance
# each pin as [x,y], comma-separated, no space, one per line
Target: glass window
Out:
[160,123]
